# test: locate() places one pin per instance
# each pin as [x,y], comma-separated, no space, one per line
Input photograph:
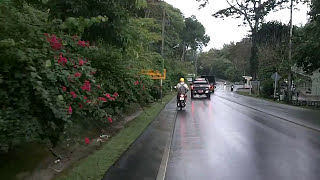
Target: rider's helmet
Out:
[181,79]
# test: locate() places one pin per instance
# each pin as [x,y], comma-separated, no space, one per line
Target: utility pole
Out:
[162,46]
[290,56]
[196,63]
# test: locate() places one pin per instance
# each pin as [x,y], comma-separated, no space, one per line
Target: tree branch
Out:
[244,12]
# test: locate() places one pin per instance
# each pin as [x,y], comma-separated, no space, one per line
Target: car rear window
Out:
[200,82]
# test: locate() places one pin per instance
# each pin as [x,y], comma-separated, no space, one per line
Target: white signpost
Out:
[276,78]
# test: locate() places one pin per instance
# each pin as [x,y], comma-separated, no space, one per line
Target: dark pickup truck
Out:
[200,86]
[212,81]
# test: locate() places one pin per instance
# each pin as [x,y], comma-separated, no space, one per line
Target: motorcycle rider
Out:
[182,88]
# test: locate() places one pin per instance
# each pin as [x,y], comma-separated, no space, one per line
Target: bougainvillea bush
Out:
[46,83]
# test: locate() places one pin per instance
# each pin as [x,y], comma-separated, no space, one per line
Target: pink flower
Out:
[82,43]
[62,60]
[115,94]
[54,42]
[87,43]
[103,99]
[64,88]
[85,97]
[108,96]
[112,99]
[110,119]
[80,106]
[70,110]
[87,140]
[86,86]
[73,94]
[136,83]
[143,87]
[81,62]
[77,74]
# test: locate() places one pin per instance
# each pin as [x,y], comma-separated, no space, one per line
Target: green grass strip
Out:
[96,165]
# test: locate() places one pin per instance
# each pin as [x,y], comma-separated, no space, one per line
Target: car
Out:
[200,86]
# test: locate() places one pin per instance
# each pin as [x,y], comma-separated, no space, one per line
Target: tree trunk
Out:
[254,57]
[254,62]
[183,51]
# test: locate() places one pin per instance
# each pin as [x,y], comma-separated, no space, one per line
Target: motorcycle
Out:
[181,101]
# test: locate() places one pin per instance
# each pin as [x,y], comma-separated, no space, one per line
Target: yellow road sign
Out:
[155,74]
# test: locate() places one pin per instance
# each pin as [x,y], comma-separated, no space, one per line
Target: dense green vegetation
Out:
[307,53]
[229,63]
[67,64]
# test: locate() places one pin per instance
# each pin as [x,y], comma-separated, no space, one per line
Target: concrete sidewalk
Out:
[142,160]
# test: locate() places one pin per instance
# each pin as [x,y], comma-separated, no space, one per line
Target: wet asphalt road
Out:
[232,137]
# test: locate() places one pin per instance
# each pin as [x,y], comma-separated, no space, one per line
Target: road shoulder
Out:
[143,159]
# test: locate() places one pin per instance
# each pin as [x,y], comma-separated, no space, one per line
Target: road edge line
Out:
[165,157]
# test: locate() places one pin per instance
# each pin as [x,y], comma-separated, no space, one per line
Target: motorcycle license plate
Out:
[181,98]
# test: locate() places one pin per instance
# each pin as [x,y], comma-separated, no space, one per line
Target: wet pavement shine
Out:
[233,138]
[229,137]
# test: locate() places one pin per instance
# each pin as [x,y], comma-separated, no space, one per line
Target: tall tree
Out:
[272,39]
[174,25]
[193,36]
[307,40]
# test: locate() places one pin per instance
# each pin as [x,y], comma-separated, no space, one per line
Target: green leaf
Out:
[7,42]
[60,97]
[32,68]
[48,63]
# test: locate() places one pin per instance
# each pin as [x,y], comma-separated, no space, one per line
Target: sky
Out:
[228,30]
